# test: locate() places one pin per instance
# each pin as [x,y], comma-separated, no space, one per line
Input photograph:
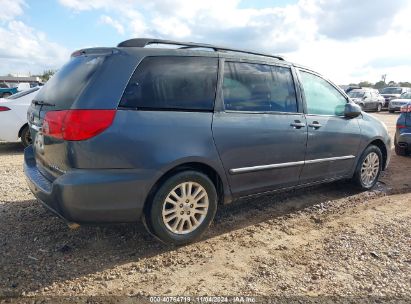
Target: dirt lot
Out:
[322,241]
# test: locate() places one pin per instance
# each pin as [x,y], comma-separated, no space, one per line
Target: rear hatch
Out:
[64,92]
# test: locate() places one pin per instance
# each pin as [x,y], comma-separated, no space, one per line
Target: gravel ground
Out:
[314,243]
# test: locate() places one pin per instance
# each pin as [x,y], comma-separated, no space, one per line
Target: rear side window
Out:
[179,83]
[69,82]
[257,87]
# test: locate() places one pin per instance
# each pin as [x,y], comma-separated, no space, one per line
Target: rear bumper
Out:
[403,140]
[89,196]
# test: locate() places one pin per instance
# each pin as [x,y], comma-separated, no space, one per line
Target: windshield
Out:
[24,93]
[354,94]
[391,91]
[406,96]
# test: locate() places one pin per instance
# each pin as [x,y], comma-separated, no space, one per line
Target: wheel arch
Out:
[21,129]
[381,145]
[208,170]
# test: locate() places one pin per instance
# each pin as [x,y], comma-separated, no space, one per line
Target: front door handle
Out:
[315,125]
[297,124]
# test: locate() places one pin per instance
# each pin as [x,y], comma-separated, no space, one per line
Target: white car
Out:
[396,104]
[13,116]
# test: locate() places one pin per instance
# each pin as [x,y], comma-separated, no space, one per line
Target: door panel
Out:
[338,138]
[250,140]
[260,136]
[333,140]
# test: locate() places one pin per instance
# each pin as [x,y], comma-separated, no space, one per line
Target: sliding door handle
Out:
[297,124]
[315,125]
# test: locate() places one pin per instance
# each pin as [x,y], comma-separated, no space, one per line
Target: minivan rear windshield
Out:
[69,82]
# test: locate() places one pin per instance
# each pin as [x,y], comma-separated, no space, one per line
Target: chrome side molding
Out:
[289,164]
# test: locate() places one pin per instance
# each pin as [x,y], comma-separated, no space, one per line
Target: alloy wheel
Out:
[185,208]
[370,169]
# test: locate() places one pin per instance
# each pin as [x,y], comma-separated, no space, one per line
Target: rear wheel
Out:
[26,136]
[368,168]
[183,208]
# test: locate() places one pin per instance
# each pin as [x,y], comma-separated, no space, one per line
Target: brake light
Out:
[401,127]
[4,109]
[77,124]
[406,109]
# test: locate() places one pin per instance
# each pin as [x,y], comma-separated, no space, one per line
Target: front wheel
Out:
[379,107]
[183,208]
[368,168]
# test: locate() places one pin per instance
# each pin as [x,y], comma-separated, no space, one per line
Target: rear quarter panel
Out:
[151,141]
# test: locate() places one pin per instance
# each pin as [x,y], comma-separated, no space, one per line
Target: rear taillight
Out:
[4,109]
[401,127]
[77,124]
[406,109]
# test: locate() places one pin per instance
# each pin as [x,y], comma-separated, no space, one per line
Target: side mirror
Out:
[352,110]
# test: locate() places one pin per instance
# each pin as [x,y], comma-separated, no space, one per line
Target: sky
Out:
[346,40]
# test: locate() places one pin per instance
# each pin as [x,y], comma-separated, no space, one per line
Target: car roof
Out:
[144,47]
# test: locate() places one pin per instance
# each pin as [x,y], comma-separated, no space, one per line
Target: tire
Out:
[400,151]
[177,230]
[26,136]
[391,111]
[379,107]
[366,164]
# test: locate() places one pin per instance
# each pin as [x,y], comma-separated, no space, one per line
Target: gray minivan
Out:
[165,135]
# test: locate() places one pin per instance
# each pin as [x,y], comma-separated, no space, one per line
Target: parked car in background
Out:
[6,91]
[367,98]
[390,93]
[13,117]
[165,135]
[349,88]
[396,104]
[402,140]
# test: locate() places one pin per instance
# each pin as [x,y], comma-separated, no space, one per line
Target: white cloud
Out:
[347,40]
[22,48]
[11,9]
[115,24]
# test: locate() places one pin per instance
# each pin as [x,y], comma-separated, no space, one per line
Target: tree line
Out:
[382,84]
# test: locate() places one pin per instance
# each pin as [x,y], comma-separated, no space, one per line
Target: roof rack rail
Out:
[142,42]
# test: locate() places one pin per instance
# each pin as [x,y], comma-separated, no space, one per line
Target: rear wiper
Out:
[42,103]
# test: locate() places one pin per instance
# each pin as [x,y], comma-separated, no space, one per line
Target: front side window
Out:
[180,83]
[321,97]
[257,87]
